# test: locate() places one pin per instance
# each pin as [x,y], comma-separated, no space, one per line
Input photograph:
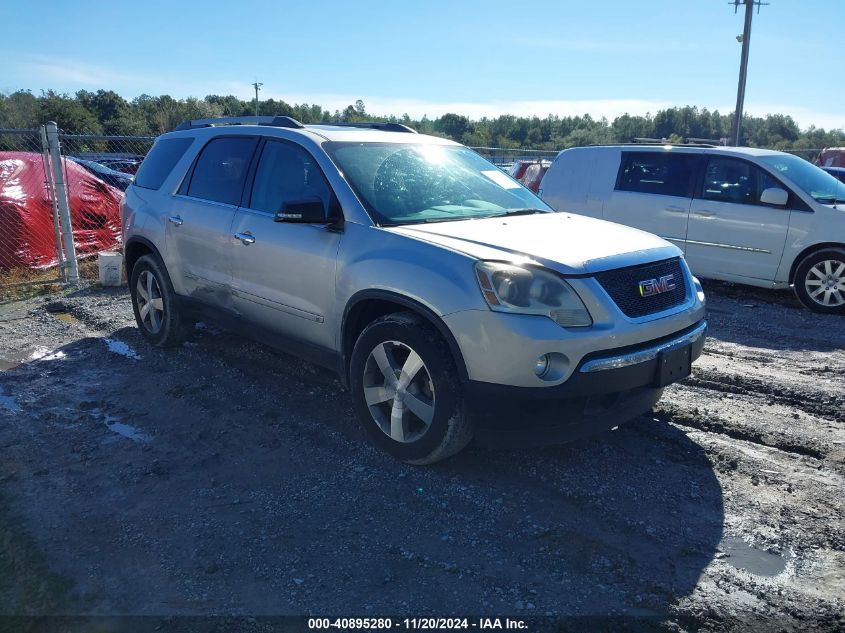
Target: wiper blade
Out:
[523,211]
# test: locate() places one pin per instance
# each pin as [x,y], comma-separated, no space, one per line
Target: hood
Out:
[568,243]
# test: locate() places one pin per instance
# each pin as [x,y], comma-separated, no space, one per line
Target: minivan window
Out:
[814,181]
[737,181]
[221,169]
[285,173]
[160,161]
[664,173]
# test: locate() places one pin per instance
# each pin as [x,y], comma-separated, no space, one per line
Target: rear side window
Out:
[160,161]
[663,173]
[221,169]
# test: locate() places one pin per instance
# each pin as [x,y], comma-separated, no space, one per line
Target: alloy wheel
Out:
[150,302]
[825,283]
[399,391]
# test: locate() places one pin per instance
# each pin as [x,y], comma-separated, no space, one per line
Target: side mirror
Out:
[305,211]
[774,196]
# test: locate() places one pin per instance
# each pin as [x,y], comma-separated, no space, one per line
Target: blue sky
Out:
[476,58]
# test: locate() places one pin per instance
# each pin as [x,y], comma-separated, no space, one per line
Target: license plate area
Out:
[673,365]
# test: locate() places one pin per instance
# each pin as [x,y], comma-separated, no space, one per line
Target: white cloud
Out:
[62,71]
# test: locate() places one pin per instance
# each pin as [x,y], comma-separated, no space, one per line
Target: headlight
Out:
[509,288]
[698,289]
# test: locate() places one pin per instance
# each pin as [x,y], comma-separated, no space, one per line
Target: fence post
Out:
[51,189]
[62,201]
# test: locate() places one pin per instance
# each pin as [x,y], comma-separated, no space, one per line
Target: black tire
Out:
[449,430]
[172,329]
[810,276]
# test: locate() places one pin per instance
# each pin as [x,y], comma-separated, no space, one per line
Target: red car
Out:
[530,172]
[832,157]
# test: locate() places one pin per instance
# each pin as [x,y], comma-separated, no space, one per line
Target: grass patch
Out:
[17,284]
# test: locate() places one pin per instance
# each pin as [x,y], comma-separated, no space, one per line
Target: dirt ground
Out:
[223,477]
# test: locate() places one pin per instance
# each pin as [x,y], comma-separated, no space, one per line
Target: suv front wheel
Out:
[154,304]
[406,390]
[820,281]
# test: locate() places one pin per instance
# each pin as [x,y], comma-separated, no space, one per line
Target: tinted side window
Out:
[221,169]
[662,173]
[286,173]
[731,180]
[160,161]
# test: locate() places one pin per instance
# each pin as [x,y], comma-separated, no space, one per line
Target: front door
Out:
[284,273]
[731,234]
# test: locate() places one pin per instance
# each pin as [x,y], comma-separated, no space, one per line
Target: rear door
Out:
[653,192]
[284,273]
[198,237]
[731,234]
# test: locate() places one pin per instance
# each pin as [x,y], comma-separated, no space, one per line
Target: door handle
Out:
[175,219]
[245,238]
[673,209]
[705,214]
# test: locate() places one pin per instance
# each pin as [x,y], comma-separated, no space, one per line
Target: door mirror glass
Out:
[304,211]
[774,196]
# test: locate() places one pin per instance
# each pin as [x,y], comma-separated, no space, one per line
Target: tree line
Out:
[106,112]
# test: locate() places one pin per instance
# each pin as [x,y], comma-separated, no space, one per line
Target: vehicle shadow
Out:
[224,477]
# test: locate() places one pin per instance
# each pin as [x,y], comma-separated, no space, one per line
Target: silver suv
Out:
[449,298]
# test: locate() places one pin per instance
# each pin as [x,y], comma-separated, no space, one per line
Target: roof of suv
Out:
[354,132]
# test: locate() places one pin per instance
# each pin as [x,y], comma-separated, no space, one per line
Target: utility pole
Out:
[745,38]
[256,85]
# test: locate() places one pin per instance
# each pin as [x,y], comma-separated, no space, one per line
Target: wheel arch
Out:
[367,305]
[809,251]
[135,248]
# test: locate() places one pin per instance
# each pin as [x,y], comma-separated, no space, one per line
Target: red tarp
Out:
[27,237]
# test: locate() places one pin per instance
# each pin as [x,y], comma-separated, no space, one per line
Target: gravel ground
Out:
[223,477]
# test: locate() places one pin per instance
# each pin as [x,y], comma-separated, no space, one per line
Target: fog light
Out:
[541,366]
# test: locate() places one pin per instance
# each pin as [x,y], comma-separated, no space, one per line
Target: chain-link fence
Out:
[29,224]
[97,170]
[60,198]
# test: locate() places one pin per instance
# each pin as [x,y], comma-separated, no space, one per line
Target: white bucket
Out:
[111,268]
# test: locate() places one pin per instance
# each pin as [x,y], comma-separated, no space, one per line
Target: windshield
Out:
[414,183]
[815,182]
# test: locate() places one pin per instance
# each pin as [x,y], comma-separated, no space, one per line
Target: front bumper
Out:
[607,389]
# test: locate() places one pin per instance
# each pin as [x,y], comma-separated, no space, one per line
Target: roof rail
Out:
[690,142]
[377,125]
[275,121]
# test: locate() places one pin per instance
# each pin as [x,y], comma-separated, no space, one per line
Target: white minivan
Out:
[740,214]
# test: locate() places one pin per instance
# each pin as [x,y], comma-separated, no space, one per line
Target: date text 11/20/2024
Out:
[382,624]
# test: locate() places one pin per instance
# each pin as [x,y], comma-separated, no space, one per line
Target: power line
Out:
[745,39]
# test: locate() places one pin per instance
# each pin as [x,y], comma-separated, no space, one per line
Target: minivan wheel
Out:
[154,304]
[406,390]
[820,281]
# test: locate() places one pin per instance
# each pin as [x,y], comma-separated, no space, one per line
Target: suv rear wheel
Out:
[820,281]
[406,390]
[154,304]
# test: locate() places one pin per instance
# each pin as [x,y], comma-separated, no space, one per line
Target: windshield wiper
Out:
[522,211]
[830,200]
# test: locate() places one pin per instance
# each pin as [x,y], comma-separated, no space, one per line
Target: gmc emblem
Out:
[651,287]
